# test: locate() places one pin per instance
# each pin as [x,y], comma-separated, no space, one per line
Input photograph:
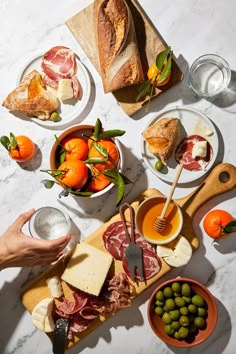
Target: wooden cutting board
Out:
[150,44]
[220,180]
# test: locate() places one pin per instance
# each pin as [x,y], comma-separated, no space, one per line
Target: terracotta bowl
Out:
[78,131]
[201,335]
[145,215]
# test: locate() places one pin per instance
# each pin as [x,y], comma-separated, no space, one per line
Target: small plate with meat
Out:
[64,76]
[180,135]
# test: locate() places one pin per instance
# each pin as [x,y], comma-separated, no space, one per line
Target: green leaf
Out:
[48,184]
[101,150]
[230,227]
[150,97]
[54,173]
[161,57]
[112,175]
[111,134]
[166,71]
[98,128]
[121,189]
[84,194]
[13,141]
[125,179]
[95,160]
[5,141]
[144,89]
[62,157]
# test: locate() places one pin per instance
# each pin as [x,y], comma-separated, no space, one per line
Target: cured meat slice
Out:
[151,265]
[183,153]
[77,89]
[59,63]
[49,82]
[116,242]
[70,307]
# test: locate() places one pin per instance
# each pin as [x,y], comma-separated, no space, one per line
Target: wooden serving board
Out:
[220,180]
[150,44]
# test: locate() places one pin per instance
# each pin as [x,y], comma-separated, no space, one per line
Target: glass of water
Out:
[209,75]
[49,223]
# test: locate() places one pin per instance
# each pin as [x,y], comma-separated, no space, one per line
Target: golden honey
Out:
[173,221]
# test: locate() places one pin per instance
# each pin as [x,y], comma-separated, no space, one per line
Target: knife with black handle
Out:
[60,336]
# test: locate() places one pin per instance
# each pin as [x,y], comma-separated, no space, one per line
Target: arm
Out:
[20,250]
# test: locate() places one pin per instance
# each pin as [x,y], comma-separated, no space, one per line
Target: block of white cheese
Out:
[54,285]
[65,90]
[178,257]
[199,149]
[87,268]
[42,315]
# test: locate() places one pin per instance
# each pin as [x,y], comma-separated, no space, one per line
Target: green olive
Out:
[175,325]
[159,165]
[159,303]
[160,296]
[166,318]
[184,321]
[54,116]
[180,302]
[174,315]
[187,299]
[169,330]
[170,304]
[192,308]
[183,332]
[201,311]
[186,289]
[199,322]
[198,300]
[176,335]
[176,287]
[183,310]
[168,292]
[159,310]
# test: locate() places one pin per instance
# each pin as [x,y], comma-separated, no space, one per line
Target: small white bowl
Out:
[146,215]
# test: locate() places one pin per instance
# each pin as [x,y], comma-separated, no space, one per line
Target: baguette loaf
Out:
[119,57]
[32,98]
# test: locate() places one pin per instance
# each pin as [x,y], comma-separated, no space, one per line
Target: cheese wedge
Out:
[49,323]
[40,311]
[65,90]
[54,286]
[87,268]
[178,257]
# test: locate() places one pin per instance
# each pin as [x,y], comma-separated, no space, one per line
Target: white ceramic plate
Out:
[191,122]
[74,107]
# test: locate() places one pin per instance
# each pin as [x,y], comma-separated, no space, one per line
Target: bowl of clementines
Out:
[87,161]
[182,312]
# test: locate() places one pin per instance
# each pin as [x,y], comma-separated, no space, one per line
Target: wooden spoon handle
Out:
[221,179]
[179,170]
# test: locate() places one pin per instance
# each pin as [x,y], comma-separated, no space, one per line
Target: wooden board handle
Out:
[221,179]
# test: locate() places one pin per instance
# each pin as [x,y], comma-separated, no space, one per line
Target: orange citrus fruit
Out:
[75,173]
[99,182]
[154,74]
[215,221]
[113,155]
[24,150]
[76,148]
[92,139]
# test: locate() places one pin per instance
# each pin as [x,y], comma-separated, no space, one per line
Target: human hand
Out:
[20,250]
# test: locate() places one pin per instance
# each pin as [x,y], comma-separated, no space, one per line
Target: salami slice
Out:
[59,63]
[184,150]
[151,265]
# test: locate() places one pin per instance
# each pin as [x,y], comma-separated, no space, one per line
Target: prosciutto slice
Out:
[184,150]
[59,63]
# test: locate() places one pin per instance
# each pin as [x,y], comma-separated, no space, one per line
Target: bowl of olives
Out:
[182,312]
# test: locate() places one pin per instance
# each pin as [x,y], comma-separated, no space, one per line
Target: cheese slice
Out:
[49,323]
[40,311]
[65,90]
[87,268]
[54,285]
[178,257]
[199,149]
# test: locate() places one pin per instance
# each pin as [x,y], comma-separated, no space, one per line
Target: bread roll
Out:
[162,137]
[119,57]
[32,98]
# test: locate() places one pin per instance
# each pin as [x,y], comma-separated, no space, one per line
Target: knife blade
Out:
[60,336]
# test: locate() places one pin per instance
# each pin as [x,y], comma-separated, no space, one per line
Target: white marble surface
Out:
[192,28]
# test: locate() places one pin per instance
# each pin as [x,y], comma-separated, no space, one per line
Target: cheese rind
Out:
[65,90]
[199,149]
[87,268]
[40,311]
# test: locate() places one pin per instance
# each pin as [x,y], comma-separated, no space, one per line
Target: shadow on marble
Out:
[34,163]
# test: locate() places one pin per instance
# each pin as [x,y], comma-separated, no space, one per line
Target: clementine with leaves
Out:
[75,148]
[74,173]
[20,148]
[107,152]
[99,181]
[218,223]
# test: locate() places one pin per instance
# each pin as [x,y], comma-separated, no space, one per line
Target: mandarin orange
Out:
[74,173]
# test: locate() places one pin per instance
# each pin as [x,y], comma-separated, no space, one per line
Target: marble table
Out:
[192,28]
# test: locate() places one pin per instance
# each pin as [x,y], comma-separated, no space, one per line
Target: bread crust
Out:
[119,58]
[32,98]
[162,137]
